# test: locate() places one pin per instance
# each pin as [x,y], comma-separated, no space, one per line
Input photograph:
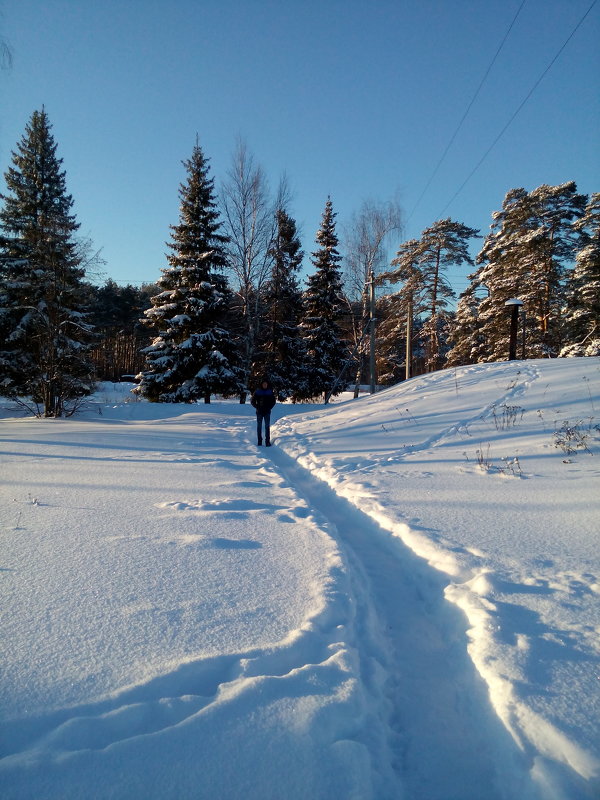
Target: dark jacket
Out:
[263,400]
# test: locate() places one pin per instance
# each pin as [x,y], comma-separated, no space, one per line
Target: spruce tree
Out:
[194,352]
[44,332]
[323,310]
[282,354]
[582,316]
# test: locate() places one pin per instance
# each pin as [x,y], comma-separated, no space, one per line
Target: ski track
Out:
[518,389]
[414,663]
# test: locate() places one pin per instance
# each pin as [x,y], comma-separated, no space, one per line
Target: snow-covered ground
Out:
[400,599]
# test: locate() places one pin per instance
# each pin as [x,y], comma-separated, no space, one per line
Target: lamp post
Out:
[514,304]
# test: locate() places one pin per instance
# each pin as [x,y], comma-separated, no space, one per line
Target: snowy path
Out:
[515,537]
[202,598]
[413,659]
[352,613]
[170,604]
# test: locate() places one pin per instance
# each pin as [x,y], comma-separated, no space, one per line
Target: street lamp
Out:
[514,304]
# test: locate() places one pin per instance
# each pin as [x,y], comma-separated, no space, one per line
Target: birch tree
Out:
[365,245]
[249,224]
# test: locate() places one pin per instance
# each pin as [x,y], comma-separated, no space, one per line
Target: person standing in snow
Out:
[263,400]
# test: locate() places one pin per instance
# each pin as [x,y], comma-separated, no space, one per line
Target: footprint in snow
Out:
[225,507]
[220,543]
[213,542]
[302,512]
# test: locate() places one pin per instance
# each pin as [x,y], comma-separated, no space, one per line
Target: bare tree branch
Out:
[248,214]
[365,241]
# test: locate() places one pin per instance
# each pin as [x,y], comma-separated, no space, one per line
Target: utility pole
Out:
[409,319]
[372,330]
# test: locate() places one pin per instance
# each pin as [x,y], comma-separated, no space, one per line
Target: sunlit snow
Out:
[399,600]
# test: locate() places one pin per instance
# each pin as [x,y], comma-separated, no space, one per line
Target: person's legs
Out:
[259,419]
[267,418]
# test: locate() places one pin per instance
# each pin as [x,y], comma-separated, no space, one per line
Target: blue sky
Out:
[356,100]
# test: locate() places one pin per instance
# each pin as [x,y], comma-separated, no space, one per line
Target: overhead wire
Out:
[465,114]
[516,112]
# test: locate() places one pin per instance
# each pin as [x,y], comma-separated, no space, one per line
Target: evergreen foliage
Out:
[526,255]
[464,337]
[391,339]
[120,306]
[194,353]
[44,325]
[543,248]
[122,336]
[323,310]
[422,264]
[582,316]
[282,352]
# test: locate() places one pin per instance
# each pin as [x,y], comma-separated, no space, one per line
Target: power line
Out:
[504,129]
[464,116]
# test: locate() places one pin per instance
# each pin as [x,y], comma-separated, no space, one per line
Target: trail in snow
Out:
[298,612]
[181,618]
[518,546]
[444,739]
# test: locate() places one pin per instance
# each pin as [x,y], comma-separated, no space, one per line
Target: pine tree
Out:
[391,339]
[422,264]
[194,353]
[526,255]
[43,301]
[582,316]
[282,352]
[465,338]
[323,310]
